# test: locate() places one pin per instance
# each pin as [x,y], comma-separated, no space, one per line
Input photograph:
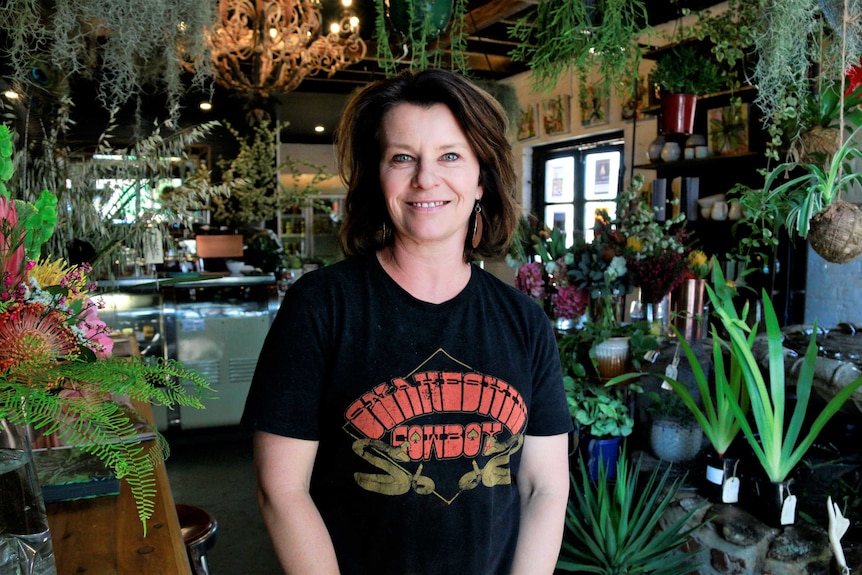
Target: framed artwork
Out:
[595,105]
[589,223]
[632,106]
[562,217]
[560,180]
[528,123]
[601,172]
[727,129]
[556,115]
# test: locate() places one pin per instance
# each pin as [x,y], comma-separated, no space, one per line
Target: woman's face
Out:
[429,175]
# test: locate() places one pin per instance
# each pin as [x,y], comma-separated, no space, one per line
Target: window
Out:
[574,179]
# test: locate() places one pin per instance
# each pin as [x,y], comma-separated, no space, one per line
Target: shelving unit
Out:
[784,275]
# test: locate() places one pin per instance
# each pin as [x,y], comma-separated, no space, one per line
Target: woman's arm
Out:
[543,482]
[301,541]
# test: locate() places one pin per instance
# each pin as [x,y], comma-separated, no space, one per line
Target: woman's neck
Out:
[429,277]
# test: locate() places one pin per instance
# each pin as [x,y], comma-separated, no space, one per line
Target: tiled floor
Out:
[213,469]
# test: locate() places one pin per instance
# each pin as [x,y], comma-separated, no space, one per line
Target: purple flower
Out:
[530,280]
[570,302]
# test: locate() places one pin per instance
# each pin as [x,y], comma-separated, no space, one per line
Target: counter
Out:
[105,536]
[214,324]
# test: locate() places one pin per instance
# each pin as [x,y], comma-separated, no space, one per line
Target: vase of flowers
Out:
[25,541]
[57,373]
[547,281]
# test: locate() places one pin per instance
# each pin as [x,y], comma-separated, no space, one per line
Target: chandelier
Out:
[270,46]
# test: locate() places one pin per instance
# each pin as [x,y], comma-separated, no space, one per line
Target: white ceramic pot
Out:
[612,357]
[671,152]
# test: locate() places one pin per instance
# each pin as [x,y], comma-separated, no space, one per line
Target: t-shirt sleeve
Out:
[285,393]
[549,413]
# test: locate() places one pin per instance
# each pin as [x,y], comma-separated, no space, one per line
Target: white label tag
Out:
[788,510]
[154,252]
[730,490]
[714,474]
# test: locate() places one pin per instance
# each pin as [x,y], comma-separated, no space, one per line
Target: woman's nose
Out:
[425,176]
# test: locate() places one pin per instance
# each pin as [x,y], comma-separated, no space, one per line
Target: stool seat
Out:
[198,529]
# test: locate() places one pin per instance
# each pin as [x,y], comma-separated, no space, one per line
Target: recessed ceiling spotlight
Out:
[319,129]
[206,106]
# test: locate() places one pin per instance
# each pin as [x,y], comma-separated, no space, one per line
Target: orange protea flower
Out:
[33,336]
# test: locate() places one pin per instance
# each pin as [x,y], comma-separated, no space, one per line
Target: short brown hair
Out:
[358,148]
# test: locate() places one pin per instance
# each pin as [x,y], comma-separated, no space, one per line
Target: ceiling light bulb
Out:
[319,129]
[11,94]
[347,3]
[206,106]
[334,28]
[354,22]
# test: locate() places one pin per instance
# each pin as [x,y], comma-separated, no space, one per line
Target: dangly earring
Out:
[477,225]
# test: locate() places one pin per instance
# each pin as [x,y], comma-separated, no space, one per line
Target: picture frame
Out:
[728,129]
[562,217]
[601,171]
[595,106]
[556,115]
[528,123]
[631,108]
[560,180]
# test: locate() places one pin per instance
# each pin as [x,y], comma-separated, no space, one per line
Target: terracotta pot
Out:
[677,113]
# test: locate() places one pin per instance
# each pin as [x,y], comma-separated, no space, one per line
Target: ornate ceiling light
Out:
[269,46]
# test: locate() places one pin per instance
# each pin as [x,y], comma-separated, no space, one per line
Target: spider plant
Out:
[777,447]
[717,416]
[615,528]
[804,196]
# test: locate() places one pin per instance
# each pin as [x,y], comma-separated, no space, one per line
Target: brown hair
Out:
[358,148]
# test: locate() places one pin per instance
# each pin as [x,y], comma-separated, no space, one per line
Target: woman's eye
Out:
[401,158]
[450,157]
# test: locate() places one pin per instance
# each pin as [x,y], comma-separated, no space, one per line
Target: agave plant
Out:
[615,528]
[778,447]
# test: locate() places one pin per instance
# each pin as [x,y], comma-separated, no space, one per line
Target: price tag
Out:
[671,371]
[788,510]
[730,490]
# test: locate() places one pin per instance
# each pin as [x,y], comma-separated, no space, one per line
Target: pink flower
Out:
[570,302]
[11,247]
[96,332]
[530,280]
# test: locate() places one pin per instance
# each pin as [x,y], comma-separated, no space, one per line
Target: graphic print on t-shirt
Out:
[442,429]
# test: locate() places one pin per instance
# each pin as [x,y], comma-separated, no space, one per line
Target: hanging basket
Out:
[836,232]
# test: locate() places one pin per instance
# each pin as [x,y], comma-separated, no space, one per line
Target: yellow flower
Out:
[52,272]
[634,243]
[697,258]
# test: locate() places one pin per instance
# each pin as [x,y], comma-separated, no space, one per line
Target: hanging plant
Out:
[408,35]
[590,37]
[124,46]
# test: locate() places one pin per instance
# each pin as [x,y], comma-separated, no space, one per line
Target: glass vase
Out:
[25,541]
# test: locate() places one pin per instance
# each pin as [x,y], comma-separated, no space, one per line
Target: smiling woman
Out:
[431,392]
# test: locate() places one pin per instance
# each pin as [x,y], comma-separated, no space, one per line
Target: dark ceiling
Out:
[319,100]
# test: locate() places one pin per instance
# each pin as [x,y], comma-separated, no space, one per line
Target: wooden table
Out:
[103,536]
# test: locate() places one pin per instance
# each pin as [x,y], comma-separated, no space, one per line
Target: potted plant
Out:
[683,73]
[717,409]
[809,204]
[595,39]
[618,528]
[778,445]
[57,373]
[675,434]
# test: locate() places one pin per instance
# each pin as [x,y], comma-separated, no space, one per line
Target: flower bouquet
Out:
[57,373]
[548,281]
[656,252]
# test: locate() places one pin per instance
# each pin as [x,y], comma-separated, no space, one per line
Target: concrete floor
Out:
[213,469]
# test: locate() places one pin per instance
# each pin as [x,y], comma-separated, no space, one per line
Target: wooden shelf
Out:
[709,162]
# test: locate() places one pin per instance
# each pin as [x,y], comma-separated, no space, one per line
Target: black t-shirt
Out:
[420,411]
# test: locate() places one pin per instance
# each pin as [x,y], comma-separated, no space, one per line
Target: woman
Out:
[409,410]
